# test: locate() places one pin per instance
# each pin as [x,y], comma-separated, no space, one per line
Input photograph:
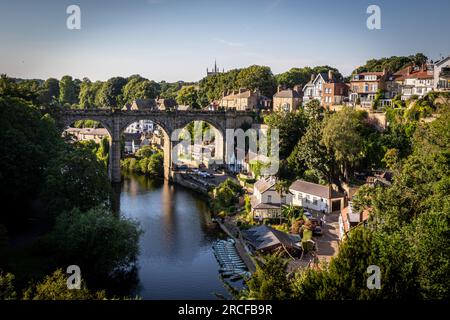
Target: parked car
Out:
[308,215]
[317,231]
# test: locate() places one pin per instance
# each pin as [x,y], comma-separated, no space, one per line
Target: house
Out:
[267,239]
[141,126]
[316,197]
[441,74]
[349,218]
[243,100]
[365,85]
[266,201]
[132,142]
[82,134]
[165,104]
[334,93]
[417,81]
[315,87]
[287,100]
[140,104]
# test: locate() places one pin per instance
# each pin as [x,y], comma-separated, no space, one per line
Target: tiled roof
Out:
[315,189]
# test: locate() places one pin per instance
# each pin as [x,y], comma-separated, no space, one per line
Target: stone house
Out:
[334,93]
[365,85]
[243,100]
[287,100]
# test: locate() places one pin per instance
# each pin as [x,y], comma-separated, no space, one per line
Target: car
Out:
[317,231]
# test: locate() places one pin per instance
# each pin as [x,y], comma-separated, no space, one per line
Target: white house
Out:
[417,82]
[442,74]
[266,201]
[314,88]
[316,197]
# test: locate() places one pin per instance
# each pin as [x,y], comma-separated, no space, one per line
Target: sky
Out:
[175,40]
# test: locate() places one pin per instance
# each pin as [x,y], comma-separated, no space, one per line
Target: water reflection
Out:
[176,259]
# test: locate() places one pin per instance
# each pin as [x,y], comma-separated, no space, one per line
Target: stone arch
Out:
[219,136]
[167,143]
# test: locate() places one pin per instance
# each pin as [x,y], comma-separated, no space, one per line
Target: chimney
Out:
[408,70]
[298,88]
[312,76]
[241,90]
[330,75]
[279,88]
[384,70]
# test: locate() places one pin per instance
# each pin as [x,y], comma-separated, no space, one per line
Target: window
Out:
[315,201]
[269,198]
[366,87]
[307,199]
[299,196]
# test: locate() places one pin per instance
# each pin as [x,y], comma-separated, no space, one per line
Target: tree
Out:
[50,92]
[188,96]
[75,178]
[54,287]
[291,127]
[269,282]
[111,92]
[342,138]
[96,240]
[281,187]
[257,77]
[313,152]
[67,91]
[140,88]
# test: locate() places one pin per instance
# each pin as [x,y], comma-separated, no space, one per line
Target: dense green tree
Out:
[188,96]
[27,142]
[342,138]
[110,94]
[75,178]
[54,287]
[291,127]
[96,240]
[140,88]
[257,77]
[269,282]
[67,91]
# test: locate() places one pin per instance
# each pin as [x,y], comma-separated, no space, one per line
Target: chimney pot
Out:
[313,76]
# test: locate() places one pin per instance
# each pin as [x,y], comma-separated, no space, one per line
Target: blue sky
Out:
[177,39]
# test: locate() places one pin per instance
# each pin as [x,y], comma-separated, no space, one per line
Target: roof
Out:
[349,215]
[94,131]
[288,93]
[131,136]
[264,184]
[437,63]
[315,189]
[244,94]
[166,103]
[263,237]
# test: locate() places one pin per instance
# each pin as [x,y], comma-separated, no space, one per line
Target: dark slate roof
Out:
[263,237]
[315,189]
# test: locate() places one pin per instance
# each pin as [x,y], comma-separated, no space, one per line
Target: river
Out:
[176,260]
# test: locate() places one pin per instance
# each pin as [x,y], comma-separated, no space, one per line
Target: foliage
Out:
[301,76]
[68,91]
[96,240]
[75,178]
[342,138]
[392,64]
[226,196]
[54,287]
[188,96]
[269,282]
[291,126]
[7,290]
[110,95]
[140,88]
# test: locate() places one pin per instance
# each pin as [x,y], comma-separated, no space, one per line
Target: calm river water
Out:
[176,260]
